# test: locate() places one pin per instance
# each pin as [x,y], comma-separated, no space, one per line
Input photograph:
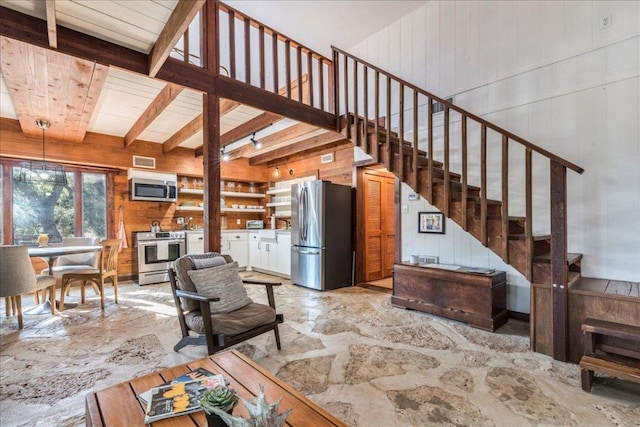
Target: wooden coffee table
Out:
[119,406]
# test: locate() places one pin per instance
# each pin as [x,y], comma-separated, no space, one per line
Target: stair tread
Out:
[572,258]
[536,237]
[440,181]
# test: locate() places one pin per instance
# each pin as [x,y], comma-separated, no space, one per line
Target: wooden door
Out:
[378,224]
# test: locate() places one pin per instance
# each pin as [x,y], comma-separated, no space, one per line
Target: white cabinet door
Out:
[195,243]
[272,256]
[254,251]
[236,245]
[283,254]
[239,252]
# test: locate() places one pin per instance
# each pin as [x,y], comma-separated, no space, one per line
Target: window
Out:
[76,209]
[94,205]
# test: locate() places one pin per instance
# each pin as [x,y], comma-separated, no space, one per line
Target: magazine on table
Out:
[196,374]
[178,398]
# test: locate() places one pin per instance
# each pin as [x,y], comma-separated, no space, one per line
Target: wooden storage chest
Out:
[478,299]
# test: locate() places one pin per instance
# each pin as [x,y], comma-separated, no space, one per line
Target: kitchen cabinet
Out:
[270,252]
[236,245]
[195,242]
[254,251]
[283,253]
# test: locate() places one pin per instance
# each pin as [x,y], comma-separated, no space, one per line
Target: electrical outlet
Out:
[238,221]
[606,21]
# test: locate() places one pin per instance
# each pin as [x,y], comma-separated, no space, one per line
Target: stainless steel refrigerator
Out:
[321,252]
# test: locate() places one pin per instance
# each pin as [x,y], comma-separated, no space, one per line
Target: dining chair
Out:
[107,270]
[75,262]
[17,278]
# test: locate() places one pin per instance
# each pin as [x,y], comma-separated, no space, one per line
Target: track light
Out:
[256,144]
[223,155]
[276,172]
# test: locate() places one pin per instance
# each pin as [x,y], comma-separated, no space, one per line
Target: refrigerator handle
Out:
[306,213]
[302,214]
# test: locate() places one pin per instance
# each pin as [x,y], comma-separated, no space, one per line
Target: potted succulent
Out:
[215,400]
[261,412]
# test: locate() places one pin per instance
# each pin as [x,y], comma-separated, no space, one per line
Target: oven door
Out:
[159,254]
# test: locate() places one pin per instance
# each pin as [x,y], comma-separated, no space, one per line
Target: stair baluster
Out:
[505,198]
[465,190]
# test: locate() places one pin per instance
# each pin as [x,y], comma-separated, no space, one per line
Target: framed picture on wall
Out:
[431,222]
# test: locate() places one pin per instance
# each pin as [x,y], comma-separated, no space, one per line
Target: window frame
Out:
[7,196]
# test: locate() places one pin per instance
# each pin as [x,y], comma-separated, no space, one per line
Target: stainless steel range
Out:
[156,253]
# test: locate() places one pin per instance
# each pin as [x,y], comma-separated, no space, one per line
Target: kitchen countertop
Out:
[240,230]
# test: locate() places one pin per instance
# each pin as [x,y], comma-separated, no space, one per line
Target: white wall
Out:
[455,247]
[547,72]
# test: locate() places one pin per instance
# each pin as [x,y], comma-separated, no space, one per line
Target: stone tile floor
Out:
[349,350]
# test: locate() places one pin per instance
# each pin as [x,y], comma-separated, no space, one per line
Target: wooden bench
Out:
[601,355]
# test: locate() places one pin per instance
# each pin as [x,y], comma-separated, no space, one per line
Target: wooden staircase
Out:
[366,96]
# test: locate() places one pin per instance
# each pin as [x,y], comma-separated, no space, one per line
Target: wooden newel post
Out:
[559,268]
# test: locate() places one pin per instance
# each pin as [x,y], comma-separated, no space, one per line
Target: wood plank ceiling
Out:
[77,95]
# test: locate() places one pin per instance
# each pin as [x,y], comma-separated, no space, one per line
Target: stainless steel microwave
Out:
[153,190]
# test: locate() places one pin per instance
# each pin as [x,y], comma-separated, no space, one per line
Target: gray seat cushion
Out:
[248,317]
[59,270]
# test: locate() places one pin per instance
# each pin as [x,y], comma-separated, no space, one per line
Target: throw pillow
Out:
[224,282]
[207,260]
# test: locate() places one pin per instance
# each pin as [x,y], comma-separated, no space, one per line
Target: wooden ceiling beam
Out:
[268,101]
[31,30]
[184,133]
[276,138]
[306,146]
[195,126]
[247,128]
[175,27]
[157,106]
[90,95]
[51,23]
[45,84]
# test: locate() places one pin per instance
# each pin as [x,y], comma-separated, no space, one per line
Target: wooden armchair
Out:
[219,315]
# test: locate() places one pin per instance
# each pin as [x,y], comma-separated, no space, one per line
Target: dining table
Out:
[51,253]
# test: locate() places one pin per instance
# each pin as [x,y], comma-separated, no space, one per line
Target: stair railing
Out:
[360,107]
[261,56]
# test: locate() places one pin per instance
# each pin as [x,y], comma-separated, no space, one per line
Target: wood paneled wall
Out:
[340,171]
[108,152]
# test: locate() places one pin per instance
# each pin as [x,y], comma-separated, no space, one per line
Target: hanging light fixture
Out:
[41,171]
[256,144]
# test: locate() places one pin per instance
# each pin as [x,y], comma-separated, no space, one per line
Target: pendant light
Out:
[41,171]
